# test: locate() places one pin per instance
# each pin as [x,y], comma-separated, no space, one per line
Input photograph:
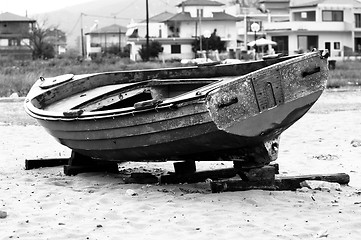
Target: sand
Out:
[46,204]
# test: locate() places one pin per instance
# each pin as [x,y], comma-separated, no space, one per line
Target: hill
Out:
[107,12]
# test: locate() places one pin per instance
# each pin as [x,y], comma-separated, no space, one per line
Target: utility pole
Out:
[120,38]
[200,30]
[81,35]
[147,37]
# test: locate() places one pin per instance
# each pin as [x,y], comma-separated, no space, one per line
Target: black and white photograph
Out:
[180,119]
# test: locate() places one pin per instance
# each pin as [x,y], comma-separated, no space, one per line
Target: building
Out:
[260,12]
[14,36]
[277,8]
[104,40]
[325,24]
[58,39]
[176,32]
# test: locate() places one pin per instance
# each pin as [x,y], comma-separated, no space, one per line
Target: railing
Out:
[14,48]
[95,49]
[309,26]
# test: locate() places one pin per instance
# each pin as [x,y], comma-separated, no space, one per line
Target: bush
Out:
[154,49]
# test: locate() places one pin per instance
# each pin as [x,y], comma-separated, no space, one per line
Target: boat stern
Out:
[264,103]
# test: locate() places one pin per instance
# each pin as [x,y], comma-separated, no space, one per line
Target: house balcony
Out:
[94,50]
[15,48]
[308,26]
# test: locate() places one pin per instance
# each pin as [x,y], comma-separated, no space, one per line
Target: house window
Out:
[25,42]
[13,42]
[282,44]
[358,45]
[199,13]
[332,16]
[309,16]
[174,49]
[307,43]
[358,20]
[336,45]
[4,42]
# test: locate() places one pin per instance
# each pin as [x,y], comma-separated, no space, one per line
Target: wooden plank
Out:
[198,176]
[280,183]
[265,174]
[80,163]
[186,167]
[231,185]
[111,167]
[293,182]
[142,178]
[259,174]
[38,163]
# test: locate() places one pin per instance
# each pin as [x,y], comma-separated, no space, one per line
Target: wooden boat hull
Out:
[238,119]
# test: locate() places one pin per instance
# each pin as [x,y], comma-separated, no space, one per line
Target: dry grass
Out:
[20,76]
[347,73]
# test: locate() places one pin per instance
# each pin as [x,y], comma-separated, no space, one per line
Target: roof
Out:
[217,16]
[305,3]
[114,28]
[314,3]
[222,16]
[10,17]
[182,16]
[274,1]
[199,3]
[162,17]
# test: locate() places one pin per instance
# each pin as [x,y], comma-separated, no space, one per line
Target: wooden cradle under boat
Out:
[212,112]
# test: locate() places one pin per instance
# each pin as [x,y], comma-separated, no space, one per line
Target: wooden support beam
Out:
[259,174]
[111,167]
[281,183]
[186,167]
[38,163]
[256,174]
[232,185]
[198,176]
[293,182]
[79,163]
[141,178]
[257,178]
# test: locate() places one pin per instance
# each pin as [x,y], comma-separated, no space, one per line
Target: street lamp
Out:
[255,28]
[207,35]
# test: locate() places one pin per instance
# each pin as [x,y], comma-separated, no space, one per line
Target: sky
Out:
[20,7]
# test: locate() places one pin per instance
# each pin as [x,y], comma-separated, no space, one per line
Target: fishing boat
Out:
[204,113]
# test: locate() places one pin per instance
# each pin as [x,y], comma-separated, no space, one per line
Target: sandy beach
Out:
[45,204]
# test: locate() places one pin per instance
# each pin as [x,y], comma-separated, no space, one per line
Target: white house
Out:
[177,31]
[326,24]
[248,13]
[103,39]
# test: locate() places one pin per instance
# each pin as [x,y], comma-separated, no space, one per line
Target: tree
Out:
[114,50]
[214,42]
[39,42]
[154,49]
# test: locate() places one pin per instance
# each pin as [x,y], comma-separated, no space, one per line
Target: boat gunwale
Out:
[167,103]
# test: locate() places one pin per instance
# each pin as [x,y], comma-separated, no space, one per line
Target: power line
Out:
[131,4]
[72,30]
[110,17]
[165,2]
